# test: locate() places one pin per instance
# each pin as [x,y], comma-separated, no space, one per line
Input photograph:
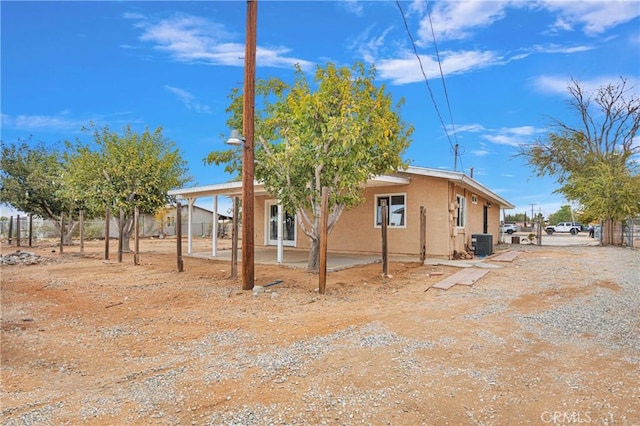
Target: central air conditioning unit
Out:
[482,244]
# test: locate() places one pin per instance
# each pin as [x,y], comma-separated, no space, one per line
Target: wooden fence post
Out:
[81,219]
[136,238]
[30,229]
[120,234]
[322,285]
[107,231]
[61,232]
[10,229]
[18,231]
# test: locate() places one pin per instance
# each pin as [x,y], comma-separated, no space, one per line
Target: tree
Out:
[593,161]
[562,215]
[125,170]
[337,133]
[32,180]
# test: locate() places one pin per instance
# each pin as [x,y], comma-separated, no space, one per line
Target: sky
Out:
[485,75]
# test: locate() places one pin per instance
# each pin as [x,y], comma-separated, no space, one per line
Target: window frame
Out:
[461,219]
[389,198]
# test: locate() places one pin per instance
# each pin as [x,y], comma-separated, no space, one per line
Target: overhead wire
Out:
[424,75]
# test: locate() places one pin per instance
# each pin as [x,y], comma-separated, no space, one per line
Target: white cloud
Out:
[454,20]
[188,38]
[58,122]
[407,69]
[595,17]
[558,84]
[513,136]
[352,6]
[188,100]
[480,152]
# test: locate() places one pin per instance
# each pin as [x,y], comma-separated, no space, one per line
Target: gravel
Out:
[607,317]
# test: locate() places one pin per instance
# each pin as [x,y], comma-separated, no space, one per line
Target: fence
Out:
[94,229]
[630,233]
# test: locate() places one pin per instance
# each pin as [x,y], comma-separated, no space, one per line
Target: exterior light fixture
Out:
[235,138]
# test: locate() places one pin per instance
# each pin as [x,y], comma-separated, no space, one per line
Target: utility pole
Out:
[248,116]
[532,204]
[455,158]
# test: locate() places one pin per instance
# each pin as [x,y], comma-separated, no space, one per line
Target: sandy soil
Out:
[100,342]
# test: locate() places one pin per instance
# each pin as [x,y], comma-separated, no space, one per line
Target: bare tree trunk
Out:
[127,231]
[70,228]
[314,255]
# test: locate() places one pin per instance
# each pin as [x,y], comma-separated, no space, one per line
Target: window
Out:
[474,199]
[462,211]
[171,221]
[396,210]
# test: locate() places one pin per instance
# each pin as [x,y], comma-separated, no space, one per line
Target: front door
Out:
[288,227]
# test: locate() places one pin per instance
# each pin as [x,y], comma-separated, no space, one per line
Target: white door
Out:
[288,227]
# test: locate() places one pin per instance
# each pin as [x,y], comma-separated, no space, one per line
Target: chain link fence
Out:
[13,228]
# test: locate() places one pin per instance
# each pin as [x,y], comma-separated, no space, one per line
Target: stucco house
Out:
[457,209]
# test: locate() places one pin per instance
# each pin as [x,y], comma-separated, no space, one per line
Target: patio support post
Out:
[180,263]
[214,228]
[385,266]
[423,234]
[280,236]
[190,202]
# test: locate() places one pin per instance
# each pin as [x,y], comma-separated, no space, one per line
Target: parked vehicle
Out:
[565,227]
[509,228]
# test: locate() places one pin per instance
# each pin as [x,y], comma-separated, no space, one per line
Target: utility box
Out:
[482,244]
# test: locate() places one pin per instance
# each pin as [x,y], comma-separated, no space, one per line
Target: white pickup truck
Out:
[563,227]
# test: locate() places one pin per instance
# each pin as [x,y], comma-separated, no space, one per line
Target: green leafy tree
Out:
[335,132]
[562,215]
[124,170]
[33,180]
[593,160]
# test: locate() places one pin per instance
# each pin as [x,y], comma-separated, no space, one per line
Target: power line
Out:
[424,75]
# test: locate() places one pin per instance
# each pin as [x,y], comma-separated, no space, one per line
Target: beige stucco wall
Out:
[356,230]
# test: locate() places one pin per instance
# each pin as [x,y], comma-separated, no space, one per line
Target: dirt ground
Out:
[90,341]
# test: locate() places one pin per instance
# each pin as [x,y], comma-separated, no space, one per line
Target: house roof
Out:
[403,177]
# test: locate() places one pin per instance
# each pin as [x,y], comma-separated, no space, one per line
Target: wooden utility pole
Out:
[179,236]
[324,219]
[136,236]
[248,116]
[385,261]
[107,231]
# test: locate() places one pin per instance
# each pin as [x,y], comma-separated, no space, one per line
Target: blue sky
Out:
[506,67]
